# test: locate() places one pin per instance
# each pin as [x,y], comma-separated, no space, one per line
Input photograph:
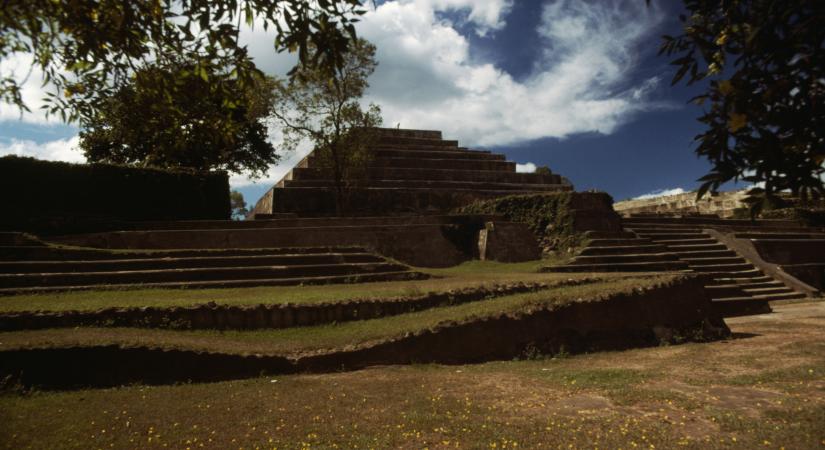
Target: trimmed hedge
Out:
[57,196]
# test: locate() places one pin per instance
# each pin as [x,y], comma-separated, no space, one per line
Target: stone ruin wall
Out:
[722,204]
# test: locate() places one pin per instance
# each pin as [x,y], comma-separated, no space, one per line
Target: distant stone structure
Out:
[722,204]
[412,172]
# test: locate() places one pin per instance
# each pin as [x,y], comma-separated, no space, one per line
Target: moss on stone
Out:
[549,216]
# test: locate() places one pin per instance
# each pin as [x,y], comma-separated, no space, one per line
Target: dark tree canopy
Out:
[199,123]
[765,102]
[89,49]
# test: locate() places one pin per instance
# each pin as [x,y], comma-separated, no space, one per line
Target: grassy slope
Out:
[299,339]
[765,389]
[474,273]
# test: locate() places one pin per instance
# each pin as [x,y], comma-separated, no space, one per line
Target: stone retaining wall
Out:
[223,317]
[675,311]
[722,204]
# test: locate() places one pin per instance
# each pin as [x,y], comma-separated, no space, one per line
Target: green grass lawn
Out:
[300,339]
[473,273]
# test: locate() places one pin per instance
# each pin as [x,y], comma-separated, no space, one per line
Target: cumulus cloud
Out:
[660,193]
[526,168]
[21,68]
[427,79]
[57,150]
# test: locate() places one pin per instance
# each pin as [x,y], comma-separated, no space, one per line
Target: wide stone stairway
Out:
[411,171]
[734,283]
[661,243]
[27,265]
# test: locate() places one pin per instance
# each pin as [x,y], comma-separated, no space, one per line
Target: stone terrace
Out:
[738,280]
[411,172]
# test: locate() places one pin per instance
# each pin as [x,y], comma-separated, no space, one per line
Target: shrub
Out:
[49,196]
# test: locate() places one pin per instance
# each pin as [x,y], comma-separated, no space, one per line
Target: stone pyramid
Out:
[410,172]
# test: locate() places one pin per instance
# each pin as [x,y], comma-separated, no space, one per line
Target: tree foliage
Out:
[328,114]
[89,49]
[165,118]
[765,101]
[237,205]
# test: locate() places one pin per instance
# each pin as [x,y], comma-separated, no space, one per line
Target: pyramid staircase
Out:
[33,267]
[734,284]
[410,172]
[622,251]
[655,243]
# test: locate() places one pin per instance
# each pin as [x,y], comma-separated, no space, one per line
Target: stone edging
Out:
[672,311]
[223,317]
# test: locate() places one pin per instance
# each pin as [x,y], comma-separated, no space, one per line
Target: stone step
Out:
[740,276]
[740,289]
[666,236]
[783,236]
[621,242]
[192,274]
[211,284]
[702,221]
[423,148]
[745,289]
[715,246]
[674,243]
[593,234]
[430,184]
[375,200]
[409,133]
[694,261]
[454,164]
[623,250]
[112,265]
[90,254]
[793,295]
[413,173]
[624,258]
[734,267]
[774,290]
[398,140]
[436,154]
[290,222]
[686,255]
[272,216]
[657,230]
[655,266]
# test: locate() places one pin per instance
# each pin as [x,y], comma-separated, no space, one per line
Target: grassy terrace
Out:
[474,273]
[763,389]
[302,339]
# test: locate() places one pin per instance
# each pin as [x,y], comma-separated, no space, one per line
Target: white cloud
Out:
[526,168]
[486,15]
[427,79]
[21,68]
[57,150]
[660,193]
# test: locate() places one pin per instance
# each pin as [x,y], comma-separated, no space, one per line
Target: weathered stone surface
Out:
[507,242]
[722,204]
[412,171]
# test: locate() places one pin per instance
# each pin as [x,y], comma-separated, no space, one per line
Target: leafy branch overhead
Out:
[88,50]
[765,98]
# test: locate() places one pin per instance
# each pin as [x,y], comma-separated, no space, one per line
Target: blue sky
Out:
[573,85]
